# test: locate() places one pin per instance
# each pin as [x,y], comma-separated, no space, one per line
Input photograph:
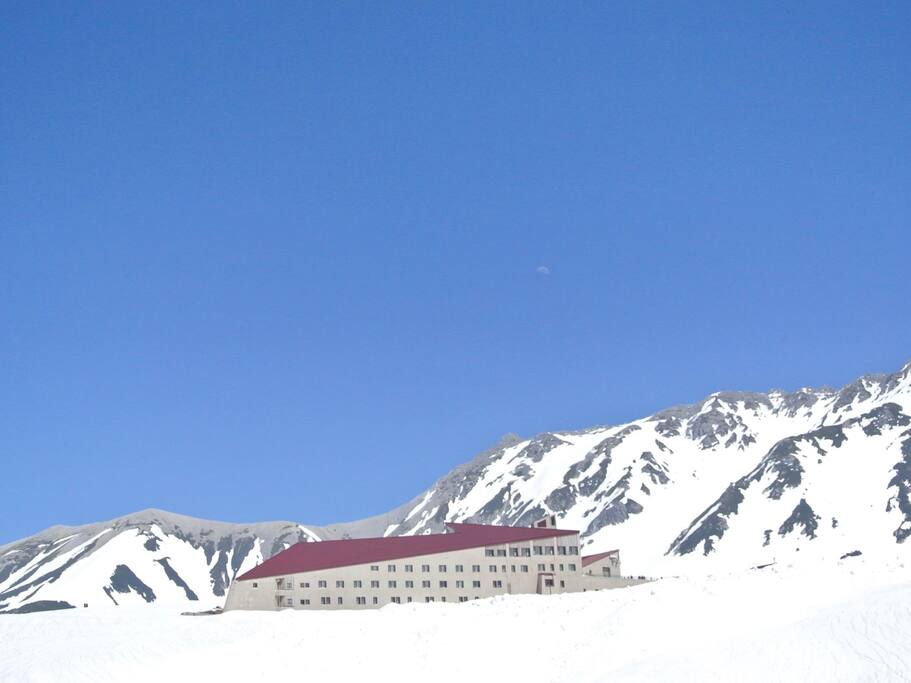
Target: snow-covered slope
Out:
[148,557]
[847,621]
[736,480]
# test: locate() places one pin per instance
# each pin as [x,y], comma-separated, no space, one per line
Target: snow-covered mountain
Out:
[738,479]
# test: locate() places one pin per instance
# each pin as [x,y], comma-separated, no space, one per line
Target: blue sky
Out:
[296,261]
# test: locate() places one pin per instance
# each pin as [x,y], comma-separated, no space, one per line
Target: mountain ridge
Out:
[734,479]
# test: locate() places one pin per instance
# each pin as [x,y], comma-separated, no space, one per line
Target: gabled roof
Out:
[305,557]
[588,559]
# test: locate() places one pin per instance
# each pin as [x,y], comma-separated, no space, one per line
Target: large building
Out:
[471,561]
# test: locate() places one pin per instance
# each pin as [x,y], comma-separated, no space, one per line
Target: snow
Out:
[844,621]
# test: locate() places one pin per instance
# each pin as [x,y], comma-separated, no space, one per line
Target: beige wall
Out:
[564,570]
[606,566]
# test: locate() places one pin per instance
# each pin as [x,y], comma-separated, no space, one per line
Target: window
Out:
[572,567]
[425,584]
[475,584]
[513,552]
[443,599]
[463,598]
[492,568]
[541,567]
[563,584]
[524,568]
[561,567]
[339,600]
[526,552]
[409,567]
[374,567]
[512,568]
[460,568]
[339,584]
[561,550]
[573,550]
[375,600]
[358,584]
[397,601]
[501,552]
[361,601]
[425,567]
[497,584]
[474,568]
[552,567]
[407,599]
[428,599]
[504,568]
[409,584]
[374,584]
[489,552]
[549,583]
[321,583]
[539,550]
[442,568]
[255,585]
[324,600]
[392,584]
[305,601]
[443,584]
[305,585]
[548,550]
[460,584]
[390,567]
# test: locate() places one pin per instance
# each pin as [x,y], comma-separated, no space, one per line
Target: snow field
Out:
[849,621]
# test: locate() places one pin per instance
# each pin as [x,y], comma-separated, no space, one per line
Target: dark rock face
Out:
[799,401]
[804,516]
[656,472]
[855,391]
[616,513]
[561,499]
[853,553]
[710,427]
[123,580]
[711,524]
[176,578]
[41,606]
[902,483]
[886,415]
[784,463]
[539,447]
[668,427]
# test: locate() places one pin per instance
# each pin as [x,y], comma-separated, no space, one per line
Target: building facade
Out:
[472,561]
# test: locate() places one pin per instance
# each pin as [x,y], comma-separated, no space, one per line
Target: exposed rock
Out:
[804,516]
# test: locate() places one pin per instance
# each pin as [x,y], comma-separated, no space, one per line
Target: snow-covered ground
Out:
[849,621]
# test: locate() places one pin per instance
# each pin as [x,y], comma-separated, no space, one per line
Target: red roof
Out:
[305,557]
[588,559]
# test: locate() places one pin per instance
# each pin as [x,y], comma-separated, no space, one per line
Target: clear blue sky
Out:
[282,261]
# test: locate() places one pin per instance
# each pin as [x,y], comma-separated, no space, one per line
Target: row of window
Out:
[284,584]
[362,600]
[492,552]
[374,601]
[538,550]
